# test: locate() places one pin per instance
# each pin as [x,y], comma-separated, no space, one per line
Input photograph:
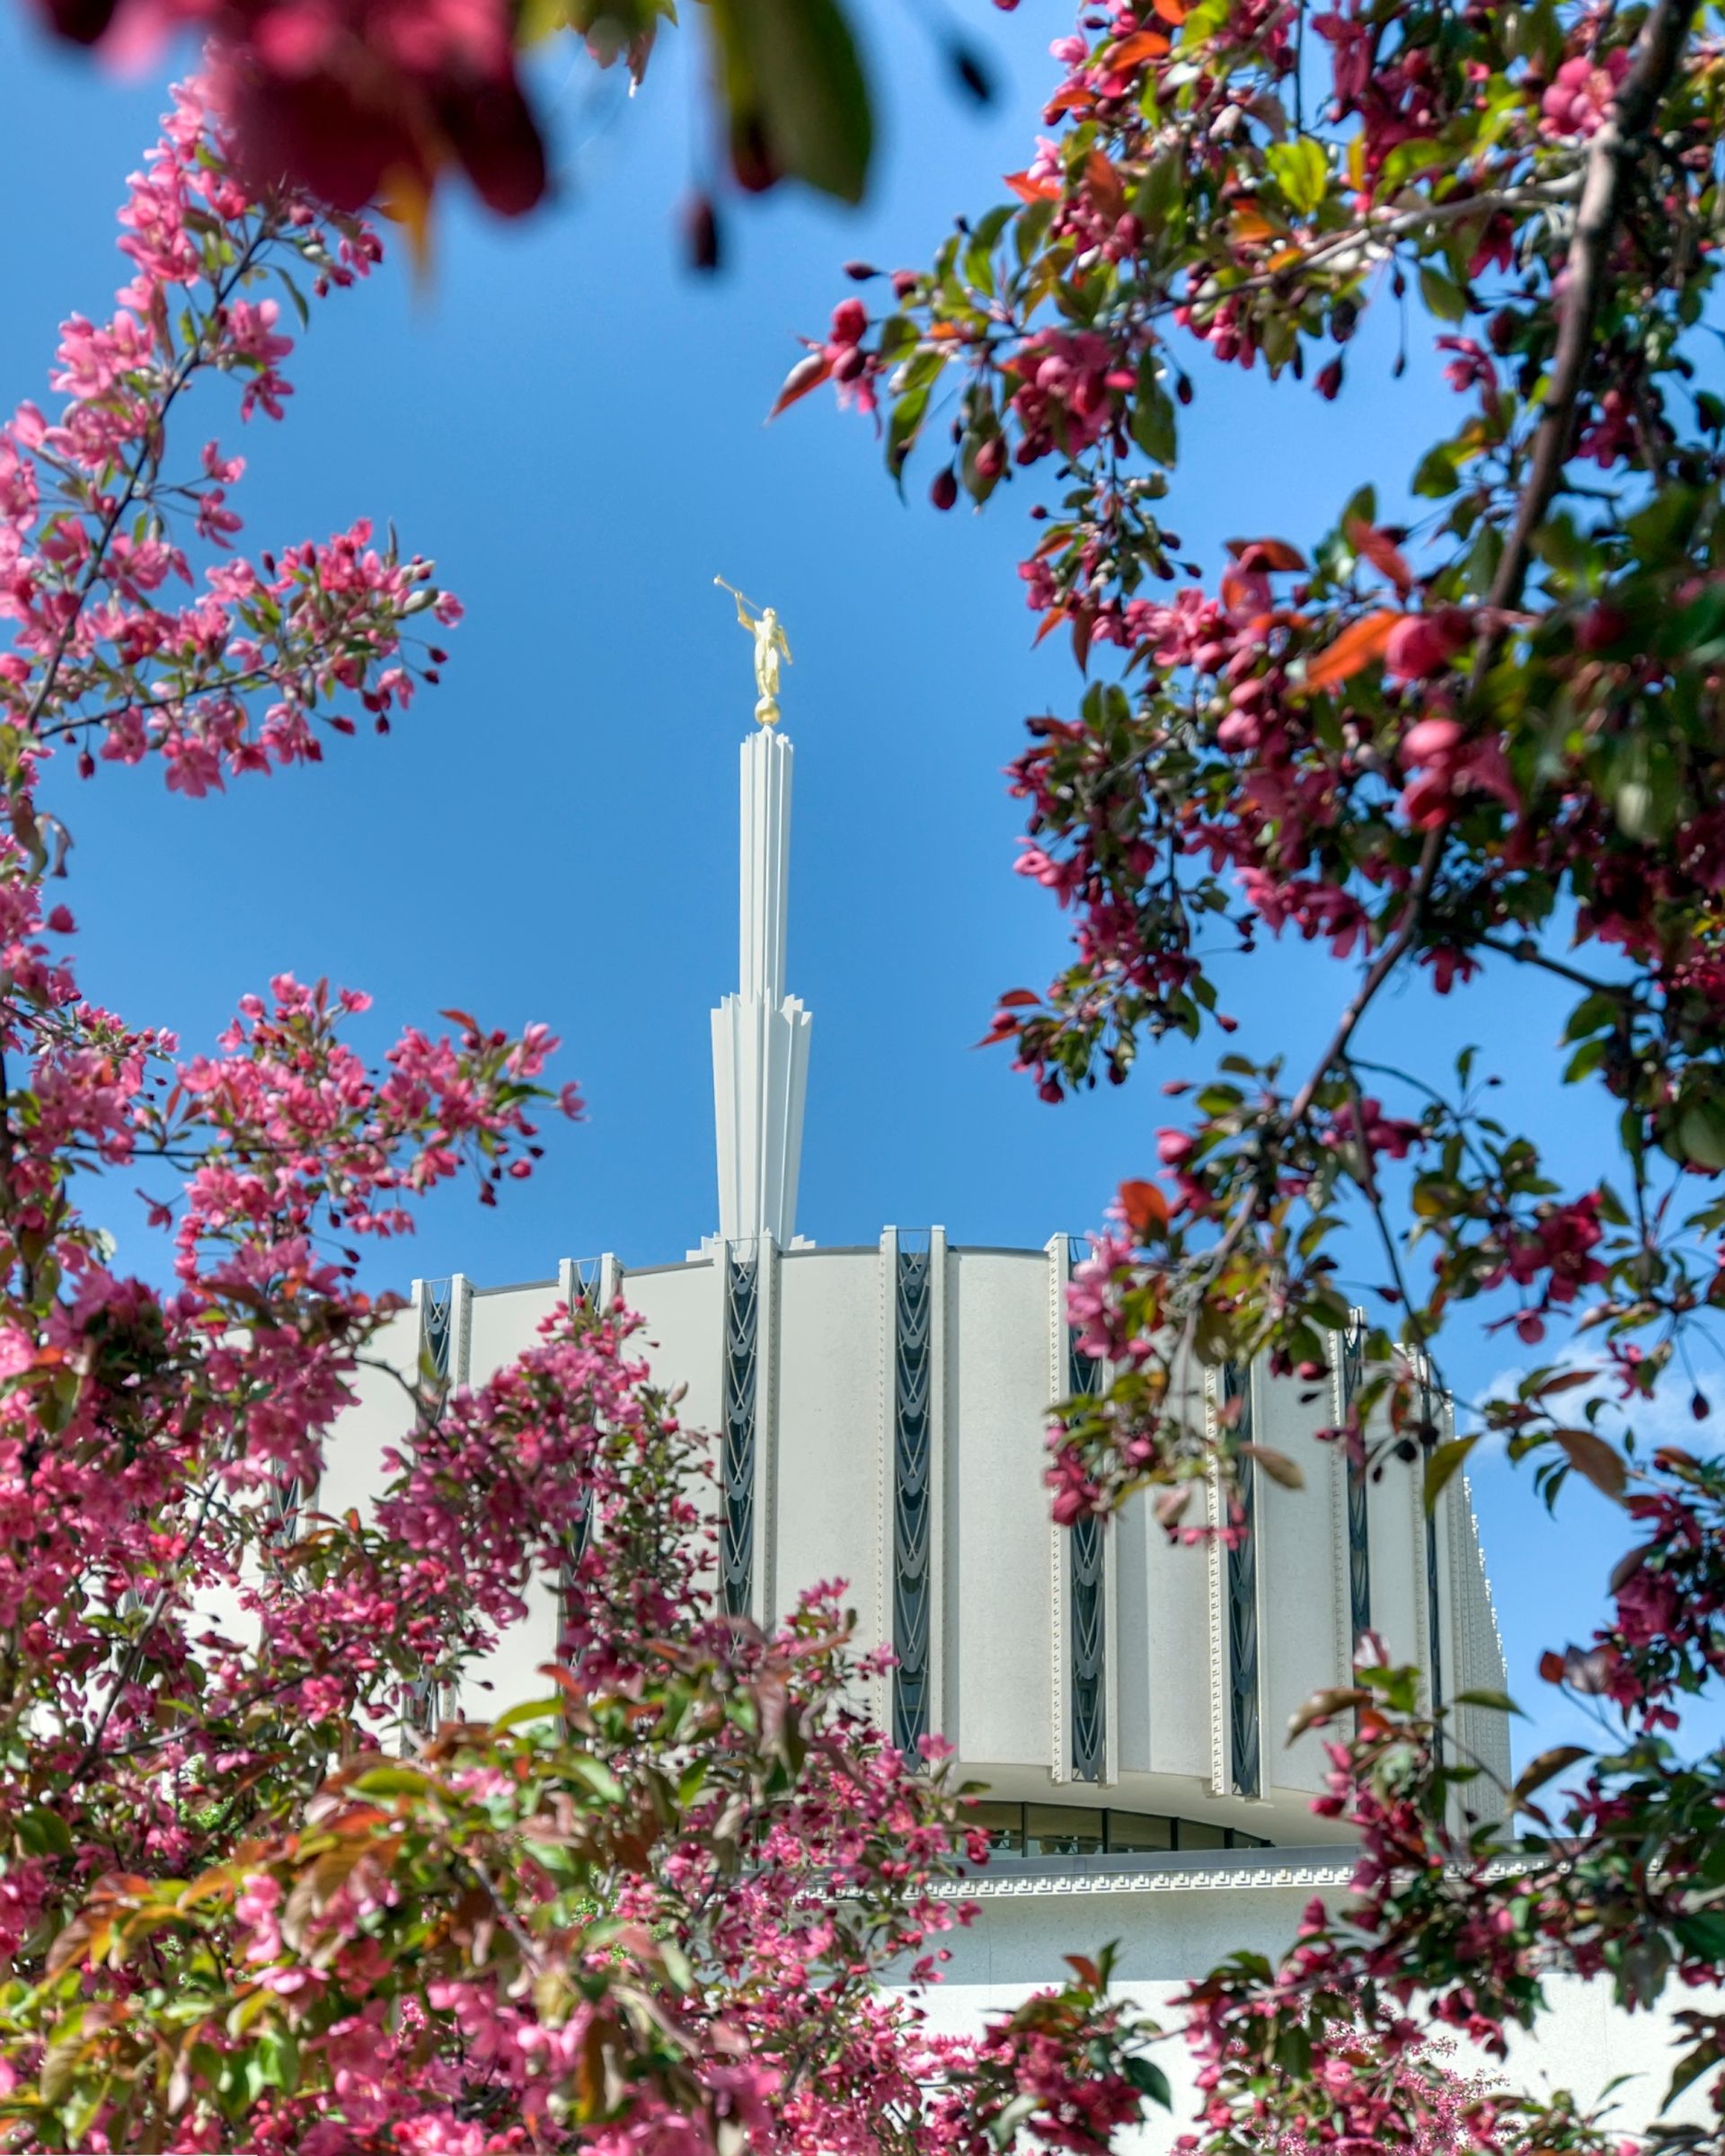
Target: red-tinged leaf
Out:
[1050,622]
[809,373]
[1171,11]
[1142,44]
[1019,999]
[1324,1707]
[1565,1382]
[1144,1205]
[1104,183]
[1082,626]
[1088,1973]
[1276,1465]
[460,1018]
[1353,651]
[1538,1772]
[1550,1666]
[1672,1460]
[1072,97]
[1268,553]
[1027,189]
[1002,1029]
[1601,1463]
[86,1938]
[1250,225]
[1380,552]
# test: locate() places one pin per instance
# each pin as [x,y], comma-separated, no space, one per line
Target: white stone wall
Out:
[1001,1626]
[825,1415]
[1174,1921]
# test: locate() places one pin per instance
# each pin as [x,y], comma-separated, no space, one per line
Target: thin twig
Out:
[1619,140]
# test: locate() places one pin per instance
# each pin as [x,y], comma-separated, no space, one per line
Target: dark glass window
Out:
[1072,1830]
[1059,1830]
[1003,1824]
[1131,1831]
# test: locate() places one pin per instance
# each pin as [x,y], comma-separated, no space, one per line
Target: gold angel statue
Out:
[771,645]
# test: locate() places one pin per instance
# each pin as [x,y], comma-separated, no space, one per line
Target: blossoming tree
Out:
[248,1897]
[1481,730]
[651,1909]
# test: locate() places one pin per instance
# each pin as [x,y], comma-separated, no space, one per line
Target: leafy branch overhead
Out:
[358,100]
[1471,722]
[258,1889]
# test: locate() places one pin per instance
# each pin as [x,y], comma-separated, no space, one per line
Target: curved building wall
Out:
[883,1411]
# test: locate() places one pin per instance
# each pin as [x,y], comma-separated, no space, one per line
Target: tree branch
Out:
[1658,50]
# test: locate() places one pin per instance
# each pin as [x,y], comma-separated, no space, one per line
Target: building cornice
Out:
[1254,1870]
[1238,1870]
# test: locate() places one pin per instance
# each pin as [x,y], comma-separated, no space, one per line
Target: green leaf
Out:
[1160,193]
[44,1834]
[595,1775]
[393,1781]
[1644,791]
[979,252]
[1420,153]
[1443,297]
[1442,1466]
[1437,474]
[1691,2067]
[1302,171]
[903,425]
[793,80]
[1148,2079]
[529,1710]
[1152,415]
[298,296]
[1500,1702]
[1700,1134]
[1702,1932]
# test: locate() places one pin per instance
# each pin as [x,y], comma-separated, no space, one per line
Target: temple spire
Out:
[760,1035]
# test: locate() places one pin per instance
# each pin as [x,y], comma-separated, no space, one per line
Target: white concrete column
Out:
[760,1035]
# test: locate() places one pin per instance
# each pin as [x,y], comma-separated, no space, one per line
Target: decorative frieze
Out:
[1088,1603]
[738,1457]
[913,1460]
[1244,1734]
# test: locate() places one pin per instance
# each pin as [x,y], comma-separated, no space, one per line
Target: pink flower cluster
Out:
[96,529]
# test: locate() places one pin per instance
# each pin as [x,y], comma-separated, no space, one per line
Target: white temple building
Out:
[881,1414]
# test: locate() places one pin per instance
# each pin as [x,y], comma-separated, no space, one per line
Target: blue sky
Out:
[571,425]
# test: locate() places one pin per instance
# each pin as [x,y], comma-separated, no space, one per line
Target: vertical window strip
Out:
[589,1274]
[1243,1599]
[436,1325]
[736,1521]
[1434,1602]
[1359,1547]
[1089,1626]
[913,1458]
[437,1305]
